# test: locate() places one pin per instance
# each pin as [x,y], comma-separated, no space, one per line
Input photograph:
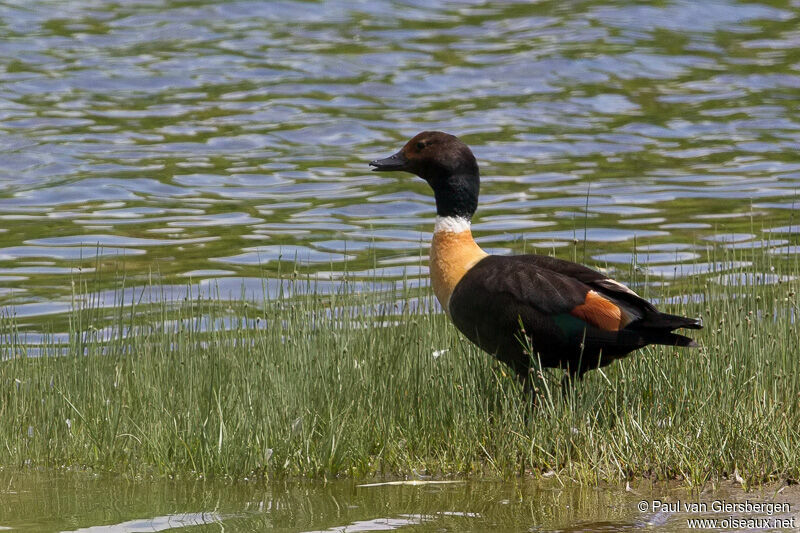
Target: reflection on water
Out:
[156,523]
[71,501]
[215,139]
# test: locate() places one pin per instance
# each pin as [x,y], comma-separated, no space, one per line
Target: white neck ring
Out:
[451,225]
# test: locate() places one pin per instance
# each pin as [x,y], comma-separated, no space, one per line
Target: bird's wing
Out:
[551,288]
[641,313]
[593,279]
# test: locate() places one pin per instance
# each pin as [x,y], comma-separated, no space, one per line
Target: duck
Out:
[528,311]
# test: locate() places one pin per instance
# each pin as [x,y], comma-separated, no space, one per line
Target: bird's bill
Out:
[393,162]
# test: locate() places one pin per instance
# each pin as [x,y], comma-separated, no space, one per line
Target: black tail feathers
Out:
[664,321]
[657,329]
[671,339]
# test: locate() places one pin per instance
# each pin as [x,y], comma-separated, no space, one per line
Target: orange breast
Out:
[452,255]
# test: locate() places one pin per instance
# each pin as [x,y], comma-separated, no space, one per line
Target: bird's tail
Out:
[664,321]
[657,329]
[670,339]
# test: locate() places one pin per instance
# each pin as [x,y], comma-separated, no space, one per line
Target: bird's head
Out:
[446,163]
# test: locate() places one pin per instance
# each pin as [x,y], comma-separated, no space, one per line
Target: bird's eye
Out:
[420,145]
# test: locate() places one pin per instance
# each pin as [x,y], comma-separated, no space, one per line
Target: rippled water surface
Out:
[199,141]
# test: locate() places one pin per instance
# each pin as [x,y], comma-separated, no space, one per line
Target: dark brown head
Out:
[446,163]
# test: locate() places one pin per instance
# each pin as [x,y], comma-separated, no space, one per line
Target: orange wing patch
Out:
[601,313]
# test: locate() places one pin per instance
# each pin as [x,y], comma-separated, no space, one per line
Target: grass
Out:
[360,385]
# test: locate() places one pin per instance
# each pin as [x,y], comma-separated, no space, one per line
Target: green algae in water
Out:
[33,501]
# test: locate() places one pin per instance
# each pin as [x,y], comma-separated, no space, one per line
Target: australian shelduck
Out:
[571,316]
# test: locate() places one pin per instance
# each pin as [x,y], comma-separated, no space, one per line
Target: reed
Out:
[365,384]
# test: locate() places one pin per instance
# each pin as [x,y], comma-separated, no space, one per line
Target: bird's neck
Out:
[456,194]
[453,253]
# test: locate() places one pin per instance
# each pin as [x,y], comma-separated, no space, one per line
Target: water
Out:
[210,145]
[88,503]
[197,142]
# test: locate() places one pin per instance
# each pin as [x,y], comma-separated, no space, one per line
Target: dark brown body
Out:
[500,297]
